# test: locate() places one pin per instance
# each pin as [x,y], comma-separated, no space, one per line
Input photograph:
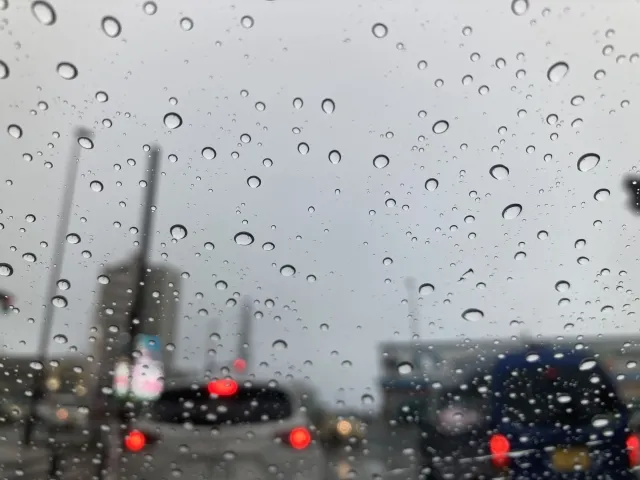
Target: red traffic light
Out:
[239,364]
[223,388]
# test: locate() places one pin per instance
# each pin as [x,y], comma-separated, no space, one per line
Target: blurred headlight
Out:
[62,414]
[344,428]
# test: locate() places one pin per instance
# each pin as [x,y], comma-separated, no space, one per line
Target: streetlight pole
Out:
[54,275]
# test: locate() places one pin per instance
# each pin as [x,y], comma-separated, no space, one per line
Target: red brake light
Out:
[223,388]
[299,438]
[240,364]
[135,441]
[499,447]
[633,447]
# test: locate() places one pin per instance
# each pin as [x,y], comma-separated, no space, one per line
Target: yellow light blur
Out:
[344,469]
[344,427]
[53,383]
[81,390]
[62,414]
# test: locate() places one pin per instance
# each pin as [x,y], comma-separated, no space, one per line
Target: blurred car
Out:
[537,413]
[342,429]
[224,429]
[62,413]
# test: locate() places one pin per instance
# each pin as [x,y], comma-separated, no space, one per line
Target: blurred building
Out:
[111,326]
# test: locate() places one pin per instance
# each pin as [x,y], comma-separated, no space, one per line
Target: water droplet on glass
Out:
[311,278]
[102,96]
[208,153]
[511,211]
[601,195]
[557,71]
[178,231]
[583,260]
[186,24]
[366,399]
[580,243]
[287,270]
[172,120]
[298,103]
[303,148]
[279,345]
[328,106]
[61,339]
[499,172]
[4,70]
[519,7]
[543,235]
[379,30]
[73,238]
[387,261]
[422,64]
[335,157]
[467,80]
[15,131]
[260,106]
[381,161]
[63,284]
[67,70]
[111,26]
[44,12]
[562,286]
[221,285]
[599,74]
[440,126]
[431,184]
[103,279]
[85,143]
[404,368]
[247,21]
[59,301]
[473,314]
[501,62]
[466,31]
[268,246]
[209,246]
[588,161]
[29,257]
[426,289]
[150,8]
[243,238]
[6,270]
[254,182]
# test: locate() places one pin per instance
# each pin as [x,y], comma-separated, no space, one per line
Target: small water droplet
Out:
[172,120]
[73,238]
[599,74]
[467,30]
[519,7]
[577,100]
[111,26]
[422,64]
[254,182]
[44,12]
[209,246]
[562,286]
[311,278]
[61,339]
[243,238]
[380,161]
[431,184]
[426,289]
[543,235]
[247,21]
[4,70]
[287,270]
[379,30]
[67,70]
[473,315]
[580,243]
[6,270]
[221,285]
[366,399]
[178,231]
[440,126]
[150,8]
[186,24]
[588,161]
[557,71]
[298,103]
[96,186]
[279,345]
[63,284]
[85,143]
[103,279]
[15,131]
[387,261]
[405,368]
[583,260]
[511,211]
[601,195]
[335,157]
[328,106]
[303,148]
[29,257]
[59,301]
[268,246]
[208,153]
[499,172]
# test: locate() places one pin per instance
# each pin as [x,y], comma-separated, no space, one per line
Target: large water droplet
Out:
[601,195]
[61,339]
[6,270]
[287,270]
[499,172]
[440,126]
[221,285]
[172,120]
[63,284]
[511,211]
[328,106]
[557,71]
[4,70]
[44,12]
[254,182]
[335,157]
[381,161]
[15,131]
[59,301]
[473,314]
[519,7]
[404,368]
[85,143]
[588,161]
[67,70]
[379,30]
[111,26]
[426,289]
[96,186]
[247,21]
[587,364]
[298,103]
[279,345]
[580,243]
[178,231]
[150,8]
[208,153]
[431,184]
[303,148]
[243,238]
[186,24]
[73,238]
[562,286]
[29,257]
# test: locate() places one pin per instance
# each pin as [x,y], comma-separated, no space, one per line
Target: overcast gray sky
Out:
[331,220]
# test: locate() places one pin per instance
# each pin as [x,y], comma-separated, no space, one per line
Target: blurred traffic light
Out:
[632,185]
[6,301]
[239,365]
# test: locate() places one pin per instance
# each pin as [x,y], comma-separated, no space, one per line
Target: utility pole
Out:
[54,275]
[241,363]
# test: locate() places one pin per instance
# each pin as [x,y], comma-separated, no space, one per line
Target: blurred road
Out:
[387,454]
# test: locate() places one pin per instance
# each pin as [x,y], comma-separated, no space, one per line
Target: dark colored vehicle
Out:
[539,413]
